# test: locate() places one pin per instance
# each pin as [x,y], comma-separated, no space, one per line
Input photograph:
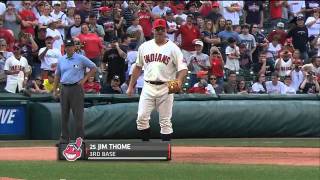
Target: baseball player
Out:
[162,61]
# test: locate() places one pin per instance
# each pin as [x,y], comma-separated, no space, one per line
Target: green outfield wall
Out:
[194,116]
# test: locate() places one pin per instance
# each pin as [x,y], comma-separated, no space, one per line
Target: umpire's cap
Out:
[69,42]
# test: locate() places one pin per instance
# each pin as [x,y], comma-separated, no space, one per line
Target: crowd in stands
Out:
[231,47]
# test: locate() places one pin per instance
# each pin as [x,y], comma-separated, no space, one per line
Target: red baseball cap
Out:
[160,23]
[215,4]
[104,9]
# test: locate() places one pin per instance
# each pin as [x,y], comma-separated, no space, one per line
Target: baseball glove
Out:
[173,86]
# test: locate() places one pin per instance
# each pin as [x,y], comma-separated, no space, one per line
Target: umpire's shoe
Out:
[145,134]
[166,137]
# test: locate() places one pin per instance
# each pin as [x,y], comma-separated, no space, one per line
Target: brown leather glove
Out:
[173,86]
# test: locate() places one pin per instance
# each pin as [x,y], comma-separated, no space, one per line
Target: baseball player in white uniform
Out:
[162,61]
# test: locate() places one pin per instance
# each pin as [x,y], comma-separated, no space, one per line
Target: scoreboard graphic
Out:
[114,150]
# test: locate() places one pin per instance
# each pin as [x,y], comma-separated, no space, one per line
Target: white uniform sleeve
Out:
[139,61]
[178,60]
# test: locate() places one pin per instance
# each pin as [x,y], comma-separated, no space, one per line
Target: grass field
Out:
[228,142]
[153,170]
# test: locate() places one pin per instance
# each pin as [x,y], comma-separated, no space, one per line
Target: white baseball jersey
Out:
[160,62]
[51,57]
[16,79]
[285,67]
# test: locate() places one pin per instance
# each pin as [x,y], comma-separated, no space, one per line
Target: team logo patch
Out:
[73,151]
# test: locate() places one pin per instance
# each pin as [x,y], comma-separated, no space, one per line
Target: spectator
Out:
[119,22]
[300,39]
[94,27]
[113,87]
[160,10]
[230,87]
[28,47]
[92,44]
[274,47]
[214,14]
[253,13]
[296,7]
[92,86]
[55,33]
[245,58]
[310,84]
[217,64]
[41,37]
[206,8]
[114,60]
[217,87]
[284,64]
[4,55]
[280,32]
[232,11]
[85,10]
[259,87]
[70,14]
[197,62]
[296,73]
[2,8]
[48,83]
[275,86]
[276,11]
[6,35]
[78,46]
[314,66]
[221,24]
[247,39]
[242,87]
[59,17]
[313,24]
[289,85]
[145,19]
[209,36]
[225,35]
[45,18]
[28,18]
[16,70]
[107,21]
[189,33]
[311,6]
[36,86]
[261,42]
[202,86]
[135,31]
[131,57]
[128,14]
[49,58]
[233,55]
[12,20]
[172,25]
[75,29]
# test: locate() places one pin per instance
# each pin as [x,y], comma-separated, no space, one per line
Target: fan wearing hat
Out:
[55,33]
[197,62]
[60,17]
[279,31]
[70,73]
[28,18]
[113,87]
[163,62]
[49,57]
[16,70]
[300,38]
[214,14]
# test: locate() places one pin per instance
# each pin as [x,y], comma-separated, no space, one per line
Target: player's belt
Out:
[156,82]
[74,84]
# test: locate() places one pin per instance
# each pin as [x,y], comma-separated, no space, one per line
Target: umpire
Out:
[70,73]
